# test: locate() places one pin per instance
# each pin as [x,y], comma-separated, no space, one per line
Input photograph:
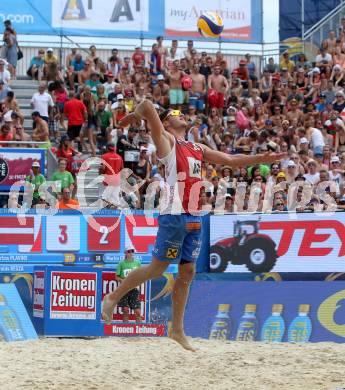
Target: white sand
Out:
[118,363]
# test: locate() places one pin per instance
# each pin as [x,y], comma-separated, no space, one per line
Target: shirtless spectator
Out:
[85,73]
[161,92]
[176,95]
[220,86]
[162,50]
[71,56]
[198,89]
[330,43]
[93,53]
[294,112]
[41,132]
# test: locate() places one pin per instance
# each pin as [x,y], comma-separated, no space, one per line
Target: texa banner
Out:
[296,312]
[278,243]
[15,165]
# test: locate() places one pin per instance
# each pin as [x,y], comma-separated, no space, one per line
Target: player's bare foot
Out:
[108,307]
[181,338]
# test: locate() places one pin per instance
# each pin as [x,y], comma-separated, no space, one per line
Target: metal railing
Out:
[31,50]
[317,33]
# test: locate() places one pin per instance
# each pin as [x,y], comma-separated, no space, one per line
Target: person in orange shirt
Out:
[66,203]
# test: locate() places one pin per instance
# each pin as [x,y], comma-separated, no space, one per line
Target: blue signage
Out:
[15,324]
[270,312]
[133,18]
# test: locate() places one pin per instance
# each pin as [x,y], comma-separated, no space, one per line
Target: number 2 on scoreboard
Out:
[104,238]
[63,237]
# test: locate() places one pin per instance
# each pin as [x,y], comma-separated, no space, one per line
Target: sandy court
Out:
[117,363]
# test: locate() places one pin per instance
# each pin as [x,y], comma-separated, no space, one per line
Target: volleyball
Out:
[210,25]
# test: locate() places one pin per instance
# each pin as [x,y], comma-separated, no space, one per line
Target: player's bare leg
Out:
[133,280]
[137,315]
[125,314]
[179,299]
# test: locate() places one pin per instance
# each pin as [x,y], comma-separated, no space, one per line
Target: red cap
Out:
[109,74]
[243,62]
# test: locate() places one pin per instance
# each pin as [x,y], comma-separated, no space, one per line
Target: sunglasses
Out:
[130,251]
[279,204]
[258,179]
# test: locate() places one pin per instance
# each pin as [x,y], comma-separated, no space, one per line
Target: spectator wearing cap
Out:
[287,63]
[35,179]
[312,175]
[242,73]
[321,104]
[109,85]
[66,152]
[303,144]
[336,173]
[291,171]
[50,61]
[5,75]
[131,300]
[161,92]
[111,166]
[66,202]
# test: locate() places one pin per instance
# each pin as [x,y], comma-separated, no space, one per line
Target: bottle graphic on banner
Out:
[300,328]
[248,326]
[9,323]
[274,327]
[220,329]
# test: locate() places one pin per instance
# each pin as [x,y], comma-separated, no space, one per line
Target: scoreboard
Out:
[69,237]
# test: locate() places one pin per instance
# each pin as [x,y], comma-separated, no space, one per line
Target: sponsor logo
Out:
[331,313]
[18,18]
[172,253]
[148,330]
[73,295]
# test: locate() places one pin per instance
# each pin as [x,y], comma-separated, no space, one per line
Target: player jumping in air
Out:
[179,233]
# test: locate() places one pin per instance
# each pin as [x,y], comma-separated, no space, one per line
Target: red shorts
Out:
[216,100]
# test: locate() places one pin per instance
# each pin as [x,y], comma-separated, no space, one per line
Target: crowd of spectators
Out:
[295,106]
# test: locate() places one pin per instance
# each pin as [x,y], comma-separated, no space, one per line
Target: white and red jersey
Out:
[183,176]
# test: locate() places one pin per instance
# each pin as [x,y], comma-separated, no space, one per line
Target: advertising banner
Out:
[16,164]
[270,312]
[15,324]
[281,242]
[71,238]
[133,18]
[240,20]
[68,302]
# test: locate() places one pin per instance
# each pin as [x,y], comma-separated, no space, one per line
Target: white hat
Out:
[119,96]
[303,140]
[337,67]
[50,49]
[335,159]
[291,163]
[160,77]
[129,247]
[35,164]
[316,70]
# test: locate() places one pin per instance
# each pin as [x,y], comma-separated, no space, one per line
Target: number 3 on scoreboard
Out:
[104,237]
[63,237]
[63,233]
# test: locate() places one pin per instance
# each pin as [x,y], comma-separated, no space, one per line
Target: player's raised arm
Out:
[239,160]
[146,110]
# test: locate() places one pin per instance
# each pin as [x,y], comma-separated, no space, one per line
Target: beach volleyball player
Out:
[179,225]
